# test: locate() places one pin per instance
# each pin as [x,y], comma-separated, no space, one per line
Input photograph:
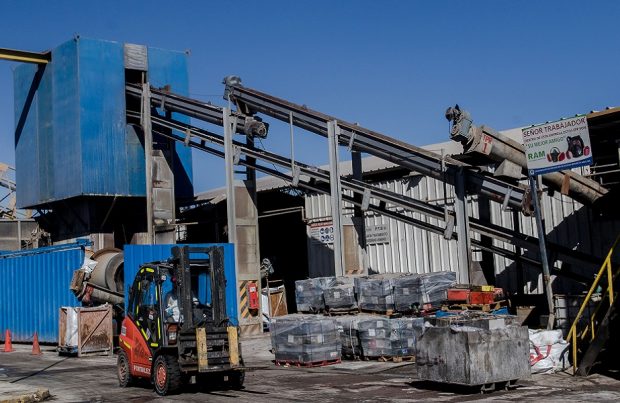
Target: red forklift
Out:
[176,326]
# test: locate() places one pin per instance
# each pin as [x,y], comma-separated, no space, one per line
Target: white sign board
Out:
[322,232]
[377,234]
[557,146]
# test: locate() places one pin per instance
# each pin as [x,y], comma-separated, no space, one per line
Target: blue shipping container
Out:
[34,284]
[71,136]
[136,255]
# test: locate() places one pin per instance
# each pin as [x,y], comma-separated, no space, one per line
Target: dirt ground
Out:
[93,379]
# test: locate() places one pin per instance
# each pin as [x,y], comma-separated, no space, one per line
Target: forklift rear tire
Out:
[236,380]
[122,370]
[167,375]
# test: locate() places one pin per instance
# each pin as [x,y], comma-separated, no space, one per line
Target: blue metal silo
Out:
[71,138]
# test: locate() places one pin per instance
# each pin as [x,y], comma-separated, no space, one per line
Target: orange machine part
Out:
[134,344]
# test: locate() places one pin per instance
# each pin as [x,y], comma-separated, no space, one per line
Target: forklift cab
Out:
[176,324]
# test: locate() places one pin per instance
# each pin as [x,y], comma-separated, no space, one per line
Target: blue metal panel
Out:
[170,68]
[62,158]
[26,138]
[34,285]
[102,121]
[135,255]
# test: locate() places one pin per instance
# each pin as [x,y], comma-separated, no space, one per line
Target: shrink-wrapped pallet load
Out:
[305,339]
[340,296]
[375,293]
[309,293]
[433,288]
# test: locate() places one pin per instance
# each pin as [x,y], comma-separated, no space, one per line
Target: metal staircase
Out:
[593,326]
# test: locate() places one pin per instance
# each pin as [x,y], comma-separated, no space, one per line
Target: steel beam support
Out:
[229,156]
[319,176]
[333,133]
[543,251]
[25,57]
[462,229]
[364,140]
[358,212]
[148,158]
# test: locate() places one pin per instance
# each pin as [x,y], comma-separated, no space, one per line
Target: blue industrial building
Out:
[76,153]
[71,136]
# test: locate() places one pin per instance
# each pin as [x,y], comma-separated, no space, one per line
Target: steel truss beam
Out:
[384,202]
[357,138]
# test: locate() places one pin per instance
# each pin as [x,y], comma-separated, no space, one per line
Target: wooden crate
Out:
[94,336]
[277,299]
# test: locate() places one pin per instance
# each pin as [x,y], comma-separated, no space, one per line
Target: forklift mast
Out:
[183,261]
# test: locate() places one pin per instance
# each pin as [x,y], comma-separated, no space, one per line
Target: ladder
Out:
[589,335]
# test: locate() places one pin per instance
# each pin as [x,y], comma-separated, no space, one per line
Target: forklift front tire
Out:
[123,371]
[167,375]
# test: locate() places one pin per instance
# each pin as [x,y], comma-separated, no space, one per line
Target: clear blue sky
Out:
[391,66]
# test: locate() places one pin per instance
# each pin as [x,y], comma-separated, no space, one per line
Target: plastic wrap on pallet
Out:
[349,335]
[305,338]
[404,335]
[340,295]
[376,293]
[375,336]
[406,292]
[309,293]
[389,337]
[433,287]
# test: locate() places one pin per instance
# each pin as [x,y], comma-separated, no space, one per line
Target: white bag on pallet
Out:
[548,351]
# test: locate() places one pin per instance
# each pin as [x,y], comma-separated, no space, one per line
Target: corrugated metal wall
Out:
[413,250]
[135,255]
[409,250]
[34,284]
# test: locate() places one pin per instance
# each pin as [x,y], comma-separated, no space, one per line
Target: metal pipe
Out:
[108,273]
[25,56]
[497,147]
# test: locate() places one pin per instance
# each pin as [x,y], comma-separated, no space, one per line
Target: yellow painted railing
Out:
[605,271]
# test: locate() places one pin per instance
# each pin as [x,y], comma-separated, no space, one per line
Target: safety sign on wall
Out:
[376,234]
[322,232]
[557,146]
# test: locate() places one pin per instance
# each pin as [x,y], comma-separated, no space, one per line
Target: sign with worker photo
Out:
[322,232]
[557,146]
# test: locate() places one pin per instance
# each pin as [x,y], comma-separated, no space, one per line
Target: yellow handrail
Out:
[605,269]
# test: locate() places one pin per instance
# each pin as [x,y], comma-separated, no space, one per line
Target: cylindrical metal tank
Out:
[109,270]
[580,188]
[497,147]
